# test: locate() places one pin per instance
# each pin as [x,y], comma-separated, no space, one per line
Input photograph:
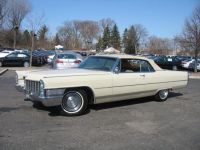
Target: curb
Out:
[194,77]
[3,71]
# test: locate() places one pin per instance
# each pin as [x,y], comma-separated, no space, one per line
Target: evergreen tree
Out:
[129,41]
[99,45]
[106,38]
[125,38]
[115,37]
[42,36]
[26,38]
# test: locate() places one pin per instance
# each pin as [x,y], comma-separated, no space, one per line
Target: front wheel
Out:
[26,64]
[174,68]
[74,103]
[162,95]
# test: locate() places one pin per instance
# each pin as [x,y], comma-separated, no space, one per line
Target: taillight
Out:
[59,61]
[77,61]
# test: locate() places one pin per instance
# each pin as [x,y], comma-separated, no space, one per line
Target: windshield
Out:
[98,63]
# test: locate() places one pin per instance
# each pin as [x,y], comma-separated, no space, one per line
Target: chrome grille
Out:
[32,87]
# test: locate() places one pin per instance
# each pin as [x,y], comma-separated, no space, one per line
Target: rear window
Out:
[66,56]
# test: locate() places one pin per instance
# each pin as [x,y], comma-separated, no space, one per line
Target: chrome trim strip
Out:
[78,75]
[139,84]
[126,94]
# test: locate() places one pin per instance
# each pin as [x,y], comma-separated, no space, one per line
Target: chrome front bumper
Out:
[19,88]
[46,101]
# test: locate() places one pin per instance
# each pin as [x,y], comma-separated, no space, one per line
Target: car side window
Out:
[145,66]
[135,66]
[12,55]
[21,55]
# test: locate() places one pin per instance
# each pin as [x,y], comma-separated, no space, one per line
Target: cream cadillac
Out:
[100,79]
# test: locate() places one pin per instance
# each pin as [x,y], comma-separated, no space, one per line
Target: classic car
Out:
[100,79]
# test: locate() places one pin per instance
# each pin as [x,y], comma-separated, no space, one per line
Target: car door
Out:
[21,58]
[135,79]
[11,60]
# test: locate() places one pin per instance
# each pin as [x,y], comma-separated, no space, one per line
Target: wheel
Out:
[162,95]
[74,103]
[174,68]
[26,64]
[1,64]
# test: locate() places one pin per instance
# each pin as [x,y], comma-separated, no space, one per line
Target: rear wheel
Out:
[74,102]
[26,64]
[162,95]
[1,64]
[174,68]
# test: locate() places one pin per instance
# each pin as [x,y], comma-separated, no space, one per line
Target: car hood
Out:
[3,54]
[38,75]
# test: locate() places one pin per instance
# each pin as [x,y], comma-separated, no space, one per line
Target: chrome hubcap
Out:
[163,94]
[72,102]
[26,64]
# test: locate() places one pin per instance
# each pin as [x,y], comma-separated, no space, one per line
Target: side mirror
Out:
[116,70]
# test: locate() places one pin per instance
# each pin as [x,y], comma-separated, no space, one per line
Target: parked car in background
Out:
[100,79]
[50,56]
[67,59]
[185,63]
[191,65]
[5,53]
[19,59]
[170,62]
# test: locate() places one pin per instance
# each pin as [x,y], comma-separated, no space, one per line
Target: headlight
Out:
[41,88]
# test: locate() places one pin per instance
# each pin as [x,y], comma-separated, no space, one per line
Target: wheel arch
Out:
[88,90]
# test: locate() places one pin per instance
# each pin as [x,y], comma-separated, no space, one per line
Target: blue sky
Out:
[163,18]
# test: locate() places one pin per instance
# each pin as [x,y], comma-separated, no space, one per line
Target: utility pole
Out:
[33,35]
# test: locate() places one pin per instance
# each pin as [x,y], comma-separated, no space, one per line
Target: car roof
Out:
[126,56]
[67,52]
[122,56]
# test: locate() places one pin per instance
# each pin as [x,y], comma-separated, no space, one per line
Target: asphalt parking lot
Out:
[133,124]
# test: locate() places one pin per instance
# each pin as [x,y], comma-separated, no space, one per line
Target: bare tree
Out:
[158,45]
[34,24]
[89,31]
[77,34]
[3,11]
[18,9]
[69,34]
[108,22]
[190,38]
